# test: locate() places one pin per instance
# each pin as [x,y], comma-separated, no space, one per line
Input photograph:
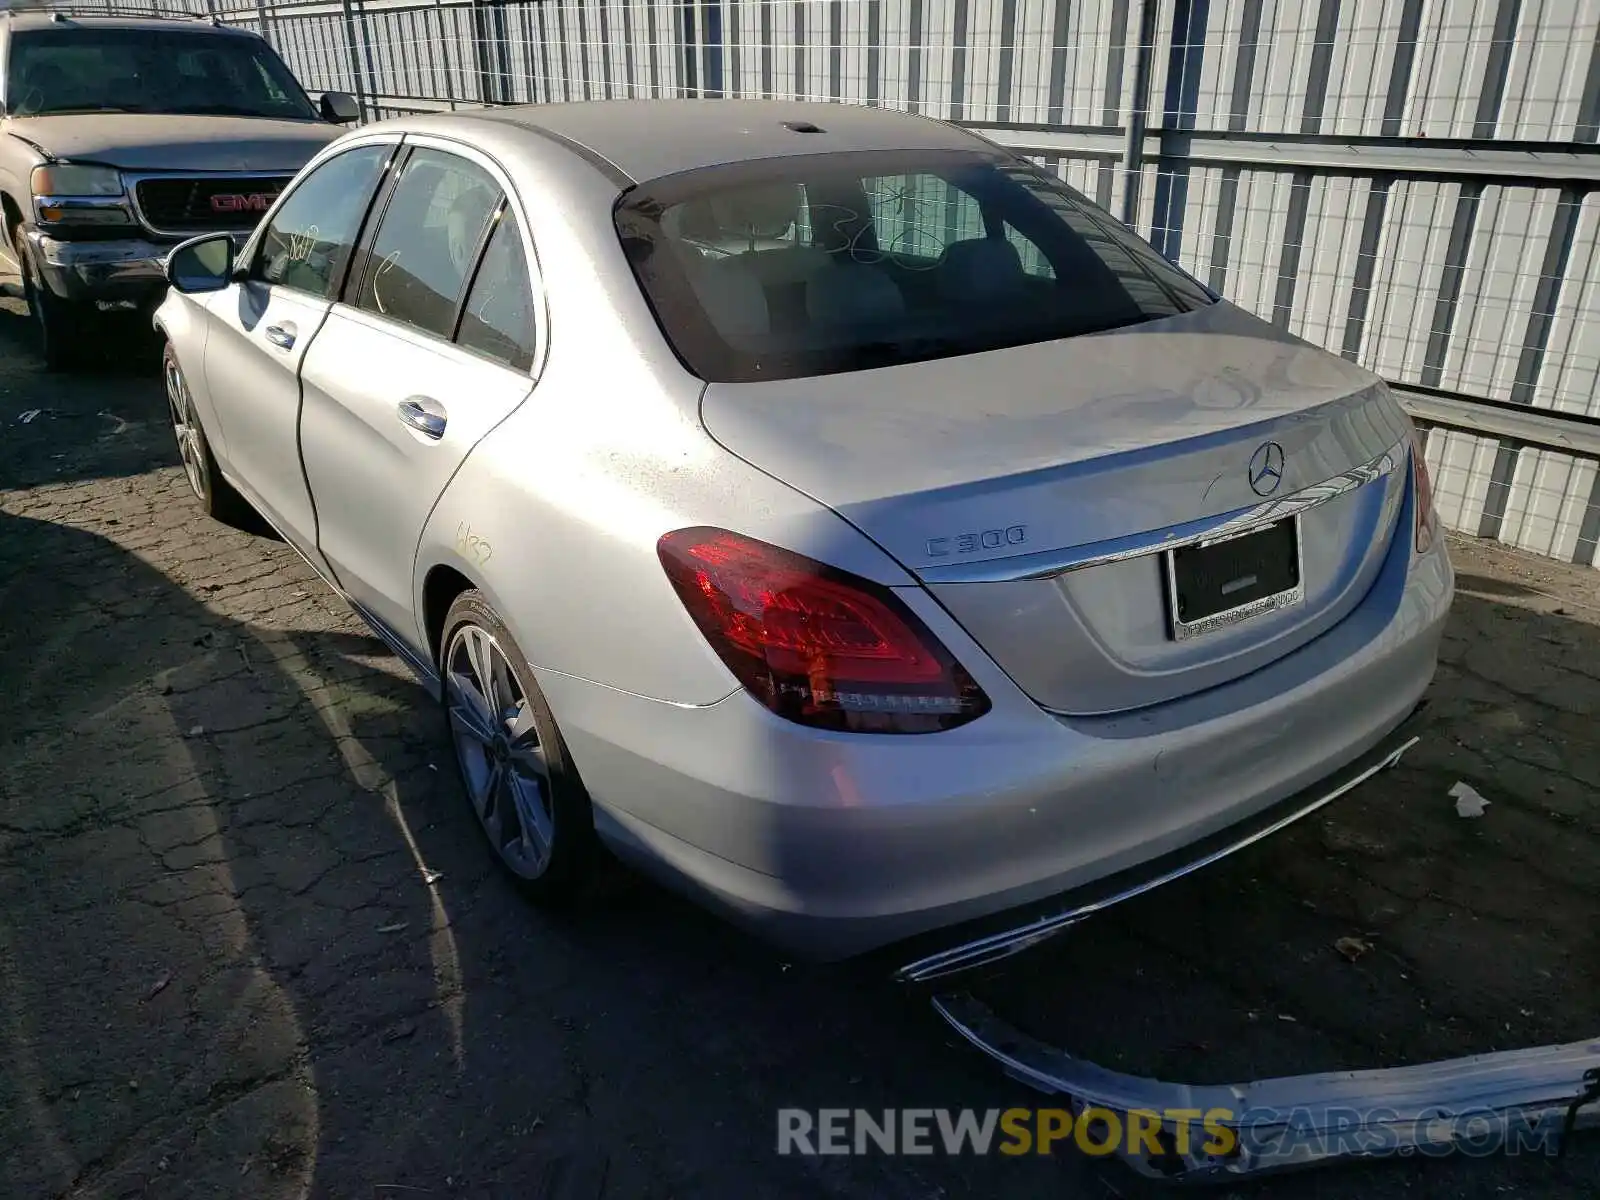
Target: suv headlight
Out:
[67,179]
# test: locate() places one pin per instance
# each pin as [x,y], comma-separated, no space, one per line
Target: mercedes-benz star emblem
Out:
[1266,468]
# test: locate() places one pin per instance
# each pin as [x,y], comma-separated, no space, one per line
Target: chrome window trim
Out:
[415,337]
[1048,564]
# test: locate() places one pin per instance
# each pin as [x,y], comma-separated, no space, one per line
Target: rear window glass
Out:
[820,264]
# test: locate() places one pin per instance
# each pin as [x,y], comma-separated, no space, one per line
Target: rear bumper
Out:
[1518,1101]
[1015,931]
[836,845]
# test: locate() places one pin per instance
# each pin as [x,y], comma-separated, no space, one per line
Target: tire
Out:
[217,496]
[513,762]
[61,328]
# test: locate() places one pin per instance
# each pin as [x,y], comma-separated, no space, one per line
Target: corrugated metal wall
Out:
[1410,183]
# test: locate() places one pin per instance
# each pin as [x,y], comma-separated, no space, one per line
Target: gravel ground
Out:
[251,944]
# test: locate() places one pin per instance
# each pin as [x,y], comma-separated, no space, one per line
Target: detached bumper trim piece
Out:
[991,948]
[1515,1101]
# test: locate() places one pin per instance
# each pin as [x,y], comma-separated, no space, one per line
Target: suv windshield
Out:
[86,69]
[818,264]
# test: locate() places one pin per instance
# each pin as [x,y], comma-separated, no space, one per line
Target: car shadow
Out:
[232,835]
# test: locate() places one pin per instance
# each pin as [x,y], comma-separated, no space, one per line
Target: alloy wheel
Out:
[186,428]
[502,760]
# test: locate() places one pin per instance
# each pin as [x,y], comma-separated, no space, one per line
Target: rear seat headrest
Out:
[757,212]
[846,294]
[732,298]
[981,270]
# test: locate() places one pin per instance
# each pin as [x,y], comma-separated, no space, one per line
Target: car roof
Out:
[647,139]
[19,21]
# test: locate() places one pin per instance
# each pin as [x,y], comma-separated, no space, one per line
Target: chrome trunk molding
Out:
[1047,564]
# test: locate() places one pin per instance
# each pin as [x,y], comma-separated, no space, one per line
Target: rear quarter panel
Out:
[556,514]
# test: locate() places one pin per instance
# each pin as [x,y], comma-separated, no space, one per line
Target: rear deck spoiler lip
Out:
[1079,906]
[1300,1121]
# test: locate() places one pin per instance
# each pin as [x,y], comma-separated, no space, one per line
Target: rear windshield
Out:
[110,69]
[814,265]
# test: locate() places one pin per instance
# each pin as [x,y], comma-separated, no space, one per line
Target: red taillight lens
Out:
[814,644]
[1427,519]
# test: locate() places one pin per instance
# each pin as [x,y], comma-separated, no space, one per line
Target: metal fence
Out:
[1410,183]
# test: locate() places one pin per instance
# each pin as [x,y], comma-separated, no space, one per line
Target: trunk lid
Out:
[985,474]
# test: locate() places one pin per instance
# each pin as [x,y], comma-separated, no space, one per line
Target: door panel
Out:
[388,417]
[262,326]
[254,381]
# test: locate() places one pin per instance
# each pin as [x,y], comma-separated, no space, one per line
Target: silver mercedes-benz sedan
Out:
[821,507]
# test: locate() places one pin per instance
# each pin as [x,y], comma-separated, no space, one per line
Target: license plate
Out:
[1219,582]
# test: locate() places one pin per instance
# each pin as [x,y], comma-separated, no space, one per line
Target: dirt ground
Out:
[251,943]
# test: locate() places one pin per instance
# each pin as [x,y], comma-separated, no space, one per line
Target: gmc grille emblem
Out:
[231,202]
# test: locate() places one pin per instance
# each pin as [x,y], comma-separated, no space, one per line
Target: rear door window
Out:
[427,241]
[498,321]
[818,264]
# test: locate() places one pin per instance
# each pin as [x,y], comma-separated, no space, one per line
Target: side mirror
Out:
[340,108]
[202,264]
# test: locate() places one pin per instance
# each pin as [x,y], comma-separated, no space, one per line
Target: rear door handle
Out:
[426,416]
[281,336]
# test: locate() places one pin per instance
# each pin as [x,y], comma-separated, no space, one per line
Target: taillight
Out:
[1427,519]
[814,644]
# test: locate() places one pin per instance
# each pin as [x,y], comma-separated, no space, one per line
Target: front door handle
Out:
[281,336]
[426,416]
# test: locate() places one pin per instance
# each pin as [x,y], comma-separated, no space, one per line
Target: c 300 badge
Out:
[983,539]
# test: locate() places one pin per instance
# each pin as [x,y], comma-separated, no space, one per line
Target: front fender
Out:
[184,324]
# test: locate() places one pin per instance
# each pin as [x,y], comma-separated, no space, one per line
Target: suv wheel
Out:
[61,327]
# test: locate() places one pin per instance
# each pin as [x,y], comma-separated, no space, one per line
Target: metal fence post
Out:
[449,67]
[480,53]
[1138,113]
[366,47]
[355,58]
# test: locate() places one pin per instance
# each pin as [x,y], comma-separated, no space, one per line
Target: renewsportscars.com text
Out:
[1217,1132]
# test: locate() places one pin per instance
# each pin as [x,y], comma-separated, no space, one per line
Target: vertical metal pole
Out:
[1138,113]
[690,57]
[355,58]
[366,46]
[480,46]
[444,46]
